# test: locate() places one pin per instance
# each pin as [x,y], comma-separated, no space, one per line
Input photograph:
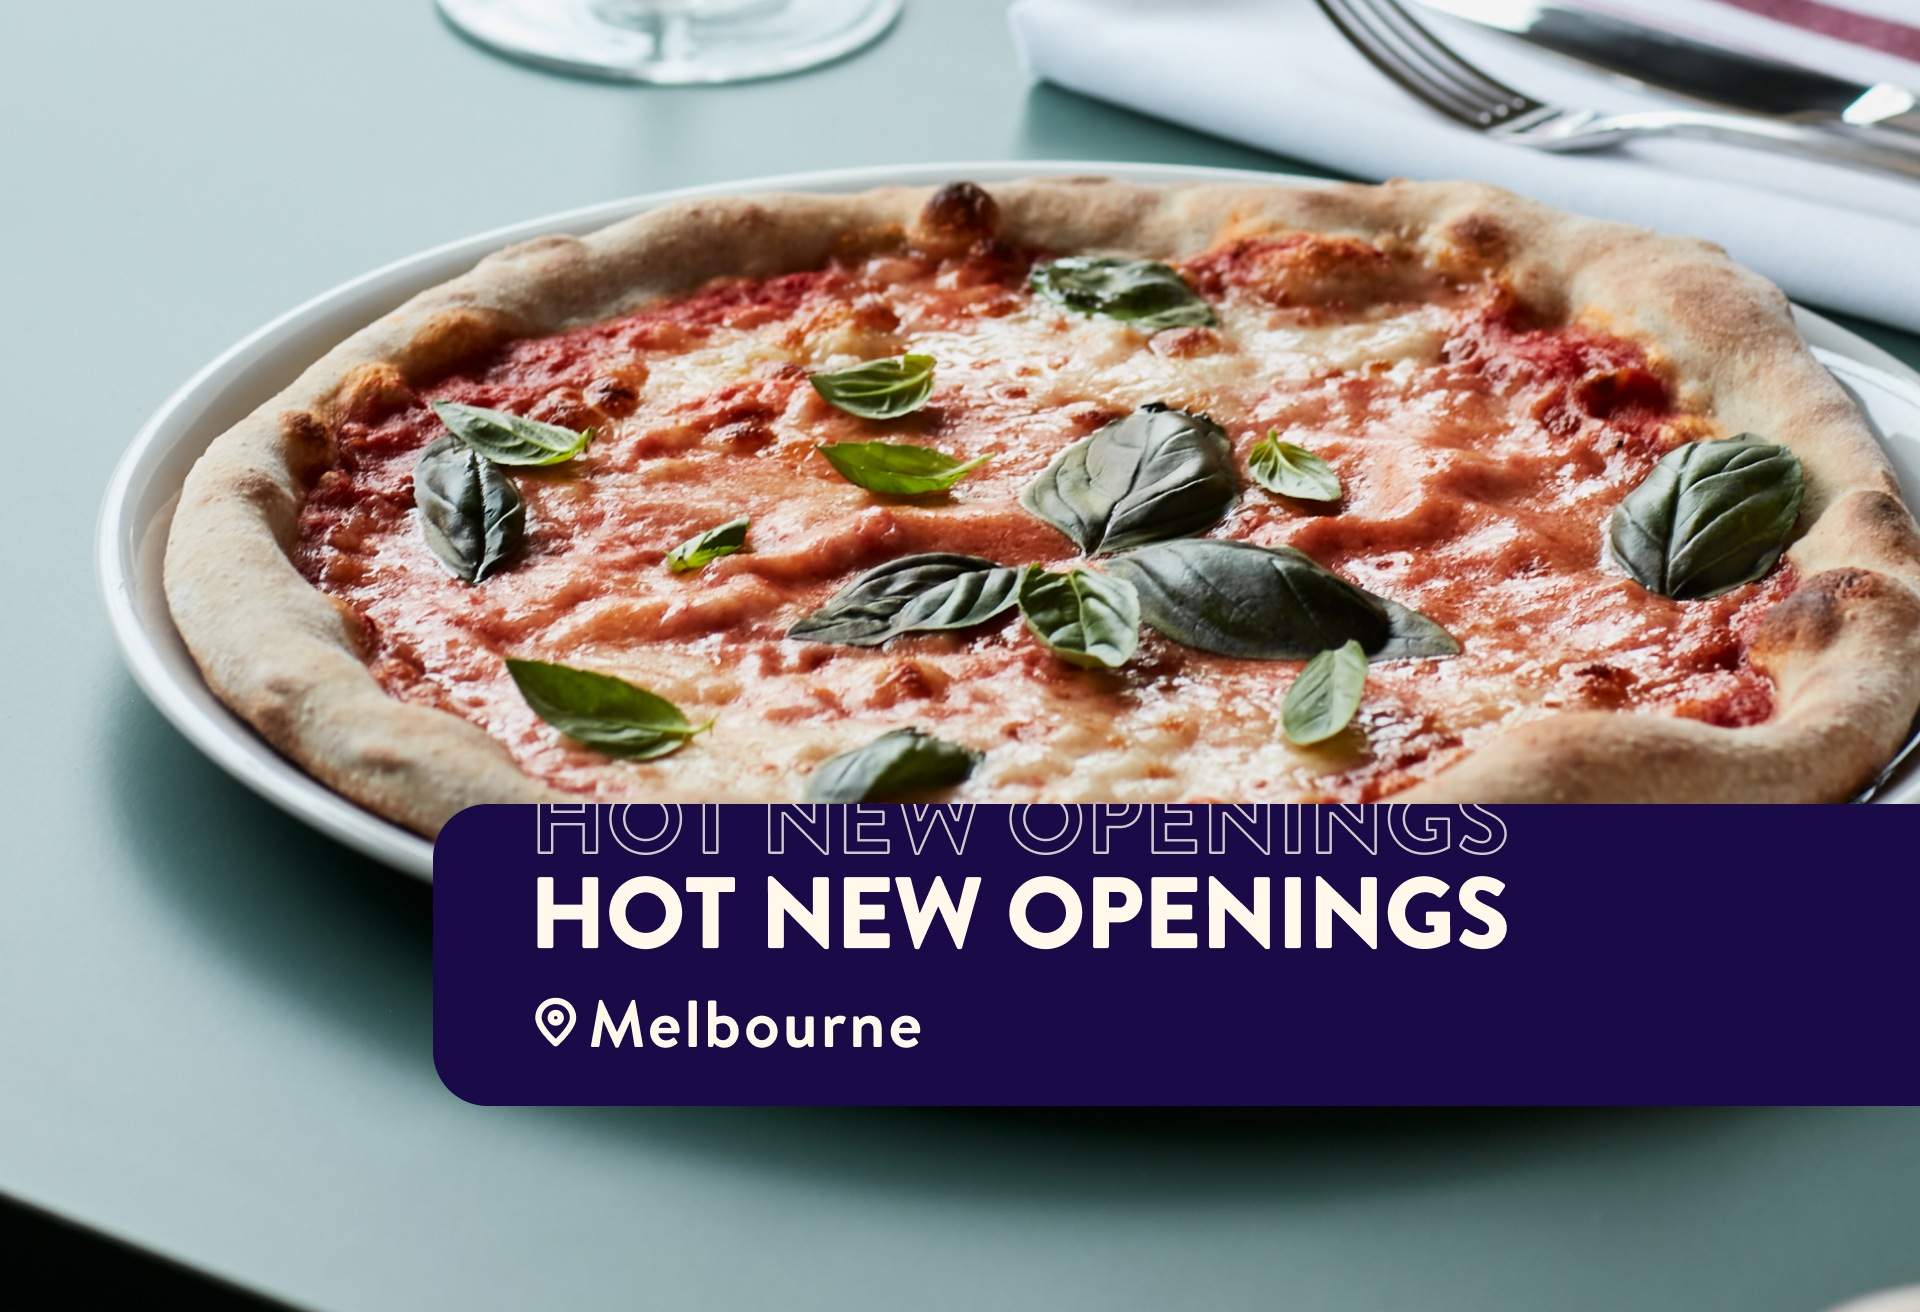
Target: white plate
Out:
[140,498]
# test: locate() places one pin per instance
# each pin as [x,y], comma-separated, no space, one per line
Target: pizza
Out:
[1066,491]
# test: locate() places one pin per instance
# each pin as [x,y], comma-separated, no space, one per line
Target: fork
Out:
[1399,46]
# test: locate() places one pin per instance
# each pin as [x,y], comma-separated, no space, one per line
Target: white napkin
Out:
[1275,74]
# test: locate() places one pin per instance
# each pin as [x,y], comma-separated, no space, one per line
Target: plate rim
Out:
[236,747]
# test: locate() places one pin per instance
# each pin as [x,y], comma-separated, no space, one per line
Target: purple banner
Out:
[1199,955]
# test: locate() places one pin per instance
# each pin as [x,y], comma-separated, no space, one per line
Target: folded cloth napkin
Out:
[1277,75]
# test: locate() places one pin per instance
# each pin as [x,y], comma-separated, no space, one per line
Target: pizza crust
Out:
[1844,648]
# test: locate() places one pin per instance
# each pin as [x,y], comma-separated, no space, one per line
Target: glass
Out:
[672,41]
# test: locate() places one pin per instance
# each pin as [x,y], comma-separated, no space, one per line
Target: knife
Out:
[1659,58]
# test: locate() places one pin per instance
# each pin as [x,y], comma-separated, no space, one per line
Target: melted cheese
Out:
[1477,487]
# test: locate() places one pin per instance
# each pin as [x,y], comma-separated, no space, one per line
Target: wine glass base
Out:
[672,43]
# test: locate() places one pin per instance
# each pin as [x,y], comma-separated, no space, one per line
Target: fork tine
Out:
[1406,52]
[1441,56]
[1387,53]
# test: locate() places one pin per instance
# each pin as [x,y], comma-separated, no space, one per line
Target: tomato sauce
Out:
[1482,447]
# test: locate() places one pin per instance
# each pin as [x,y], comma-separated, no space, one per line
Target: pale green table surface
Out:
[214,1025]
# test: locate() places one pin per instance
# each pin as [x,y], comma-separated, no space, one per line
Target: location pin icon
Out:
[555,1019]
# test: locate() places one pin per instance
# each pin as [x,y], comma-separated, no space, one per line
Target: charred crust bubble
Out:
[372,392]
[957,216]
[1811,617]
[309,444]
[1883,521]
[1479,238]
[616,393]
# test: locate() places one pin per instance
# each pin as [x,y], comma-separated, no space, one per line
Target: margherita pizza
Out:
[1066,491]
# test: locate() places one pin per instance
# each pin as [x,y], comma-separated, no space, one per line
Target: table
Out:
[216,1025]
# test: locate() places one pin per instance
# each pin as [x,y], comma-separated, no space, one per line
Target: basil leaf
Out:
[703,549]
[1241,600]
[470,512]
[1269,604]
[969,599]
[1411,635]
[600,711]
[1292,471]
[927,592]
[897,468]
[1711,516]
[1086,619]
[879,389]
[508,439]
[905,761]
[1149,295]
[1322,701]
[1158,473]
